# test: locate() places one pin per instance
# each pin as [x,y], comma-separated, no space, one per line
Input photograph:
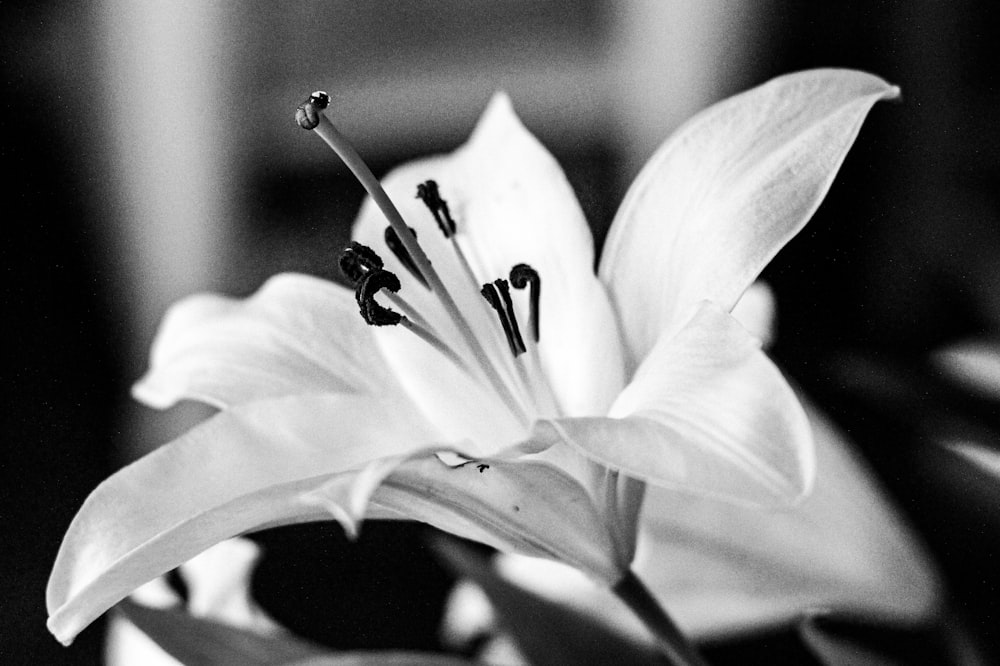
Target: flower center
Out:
[517,377]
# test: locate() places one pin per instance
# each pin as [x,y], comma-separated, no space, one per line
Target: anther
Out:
[357,260]
[307,114]
[520,277]
[394,243]
[505,313]
[504,290]
[368,286]
[429,194]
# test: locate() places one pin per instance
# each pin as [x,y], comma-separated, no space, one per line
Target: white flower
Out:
[639,375]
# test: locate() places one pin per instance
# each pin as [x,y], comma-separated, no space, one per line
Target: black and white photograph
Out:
[456,332]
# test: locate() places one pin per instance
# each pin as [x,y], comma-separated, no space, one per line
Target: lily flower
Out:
[493,386]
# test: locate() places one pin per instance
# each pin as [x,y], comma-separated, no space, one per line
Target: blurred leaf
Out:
[546,632]
[833,648]
[973,364]
[198,642]
[383,659]
[840,639]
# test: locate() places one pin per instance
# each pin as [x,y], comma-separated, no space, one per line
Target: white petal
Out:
[616,496]
[296,335]
[707,412]
[519,506]
[462,408]
[512,204]
[722,568]
[725,193]
[244,469]
[756,311]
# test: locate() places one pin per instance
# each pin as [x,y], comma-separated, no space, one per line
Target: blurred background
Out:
[149,152]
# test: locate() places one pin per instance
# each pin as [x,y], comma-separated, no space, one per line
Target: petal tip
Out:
[146,392]
[59,632]
[500,102]
[499,117]
[350,523]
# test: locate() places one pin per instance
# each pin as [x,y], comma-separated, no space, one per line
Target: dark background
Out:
[903,257]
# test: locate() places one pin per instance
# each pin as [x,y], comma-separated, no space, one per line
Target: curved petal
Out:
[725,193]
[514,505]
[244,469]
[756,312]
[707,412]
[512,204]
[723,568]
[298,334]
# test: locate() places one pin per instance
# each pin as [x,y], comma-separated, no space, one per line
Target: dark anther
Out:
[307,114]
[504,290]
[482,467]
[428,193]
[398,249]
[505,314]
[357,260]
[520,277]
[368,286]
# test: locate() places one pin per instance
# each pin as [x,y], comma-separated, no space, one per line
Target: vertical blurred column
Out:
[671,58]
[170,107]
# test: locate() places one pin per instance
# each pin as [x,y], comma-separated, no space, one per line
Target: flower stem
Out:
[669,638]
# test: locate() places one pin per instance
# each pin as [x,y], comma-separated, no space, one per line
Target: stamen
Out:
[396,247]
[428,193]
[520,277]
[504,314]
[357,260]
[310,116]
[504,290]
[370,284]
[374,281]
